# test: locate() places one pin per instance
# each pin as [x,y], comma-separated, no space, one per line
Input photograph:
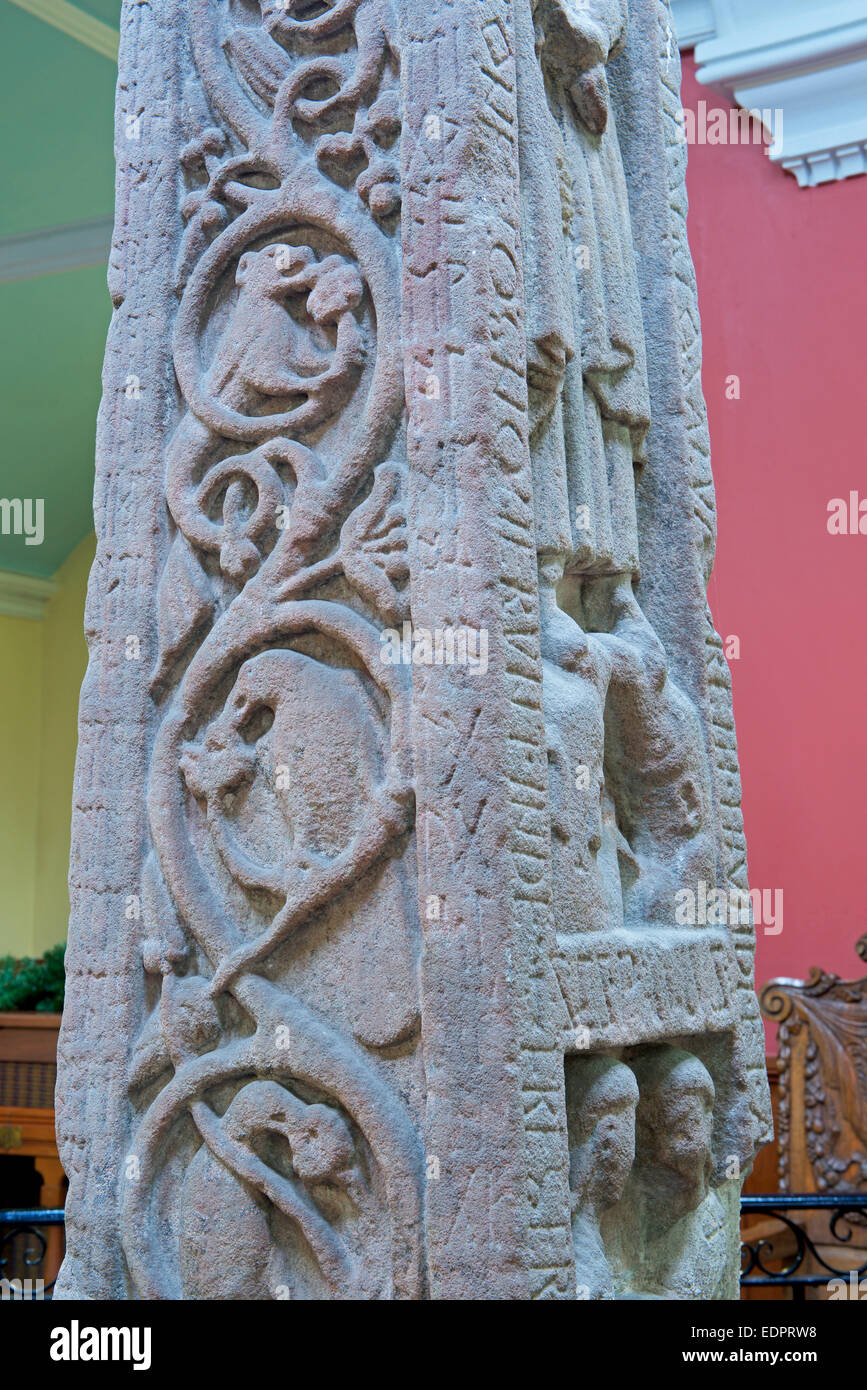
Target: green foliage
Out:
[28,984]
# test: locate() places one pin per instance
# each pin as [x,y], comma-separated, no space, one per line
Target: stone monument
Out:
[406,734]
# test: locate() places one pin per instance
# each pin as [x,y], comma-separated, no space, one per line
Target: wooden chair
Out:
[822,1035]
[821,1115]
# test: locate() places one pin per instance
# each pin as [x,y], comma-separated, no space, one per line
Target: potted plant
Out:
[31,1000]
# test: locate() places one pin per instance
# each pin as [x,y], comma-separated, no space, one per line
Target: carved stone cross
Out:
[406,728]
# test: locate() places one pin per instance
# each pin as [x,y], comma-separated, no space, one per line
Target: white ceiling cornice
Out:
[804,60]
[49,250]
[694,20]
[24,595]
[79,25]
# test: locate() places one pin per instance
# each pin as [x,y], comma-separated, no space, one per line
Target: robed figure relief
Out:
[630,786]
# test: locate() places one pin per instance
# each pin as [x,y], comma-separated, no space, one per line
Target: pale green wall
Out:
[42,664]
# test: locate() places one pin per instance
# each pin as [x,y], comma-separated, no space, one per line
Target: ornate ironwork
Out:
[844,1211]
[24,1223]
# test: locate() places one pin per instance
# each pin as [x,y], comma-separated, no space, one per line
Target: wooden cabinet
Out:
[28,1070]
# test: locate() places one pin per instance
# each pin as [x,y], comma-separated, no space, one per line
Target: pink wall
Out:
[783,295]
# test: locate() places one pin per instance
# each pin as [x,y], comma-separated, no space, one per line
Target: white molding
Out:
[76,23]
[694,20]
[24,595]
[804,58]
[50,250]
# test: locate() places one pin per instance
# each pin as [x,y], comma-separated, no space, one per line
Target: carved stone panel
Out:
[405,730]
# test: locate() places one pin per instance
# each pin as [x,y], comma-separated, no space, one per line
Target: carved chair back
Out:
[822,1045]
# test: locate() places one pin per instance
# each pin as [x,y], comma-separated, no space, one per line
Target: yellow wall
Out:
[42,664]
[20,737]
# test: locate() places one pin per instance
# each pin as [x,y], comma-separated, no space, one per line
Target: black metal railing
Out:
[22,1251]
[801,1265]
[800,1268]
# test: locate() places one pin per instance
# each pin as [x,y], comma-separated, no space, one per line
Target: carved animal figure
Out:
[265,351]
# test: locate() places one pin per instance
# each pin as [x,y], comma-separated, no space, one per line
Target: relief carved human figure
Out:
[588,378]
[641,825]
[671,1182]
[601,1096]
[586,844]
[674,1123]
[646,1222]
[628,774]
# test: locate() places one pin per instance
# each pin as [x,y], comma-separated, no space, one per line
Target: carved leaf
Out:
[373,544]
